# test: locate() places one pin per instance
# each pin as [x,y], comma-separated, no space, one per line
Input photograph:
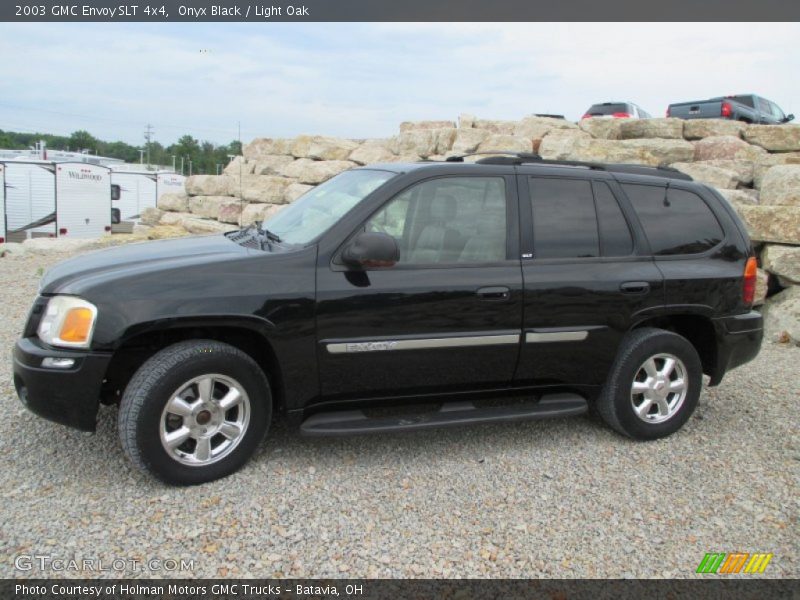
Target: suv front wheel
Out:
[194,412]
[653,386]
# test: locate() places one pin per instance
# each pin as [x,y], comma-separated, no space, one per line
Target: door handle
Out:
[635,287]
[496,293]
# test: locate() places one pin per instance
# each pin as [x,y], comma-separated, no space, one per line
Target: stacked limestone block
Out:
[756,167]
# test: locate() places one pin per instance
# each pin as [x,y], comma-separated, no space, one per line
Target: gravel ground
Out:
[562,498]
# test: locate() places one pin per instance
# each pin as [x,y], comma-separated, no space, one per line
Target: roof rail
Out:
[523,158]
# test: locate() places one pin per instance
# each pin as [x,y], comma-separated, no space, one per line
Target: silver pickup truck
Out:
[745,107]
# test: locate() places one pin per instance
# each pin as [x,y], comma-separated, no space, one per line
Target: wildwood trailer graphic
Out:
[734,562]
[84,174]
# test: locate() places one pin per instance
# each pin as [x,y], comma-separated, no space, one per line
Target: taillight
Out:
[2,240]
[586,116]
[726,109]
[108,227]
[750,279]
[62,231]
[621,115]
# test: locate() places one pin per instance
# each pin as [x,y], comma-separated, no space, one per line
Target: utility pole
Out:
[181,165]
[173,163]
[148,135]
[141,156]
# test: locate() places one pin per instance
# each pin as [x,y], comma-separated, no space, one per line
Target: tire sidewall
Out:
[659,343]
[207,359]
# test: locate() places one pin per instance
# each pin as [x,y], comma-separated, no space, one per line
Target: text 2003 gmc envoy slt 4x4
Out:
[403,296]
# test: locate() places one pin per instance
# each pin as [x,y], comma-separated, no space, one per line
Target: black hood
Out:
[76,275]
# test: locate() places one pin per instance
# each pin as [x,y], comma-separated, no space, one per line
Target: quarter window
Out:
[615,235]
[674,221]
[447,220]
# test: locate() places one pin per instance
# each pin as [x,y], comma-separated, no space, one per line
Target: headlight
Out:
[68,321]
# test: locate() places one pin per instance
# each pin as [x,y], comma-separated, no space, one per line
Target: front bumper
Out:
[67,396]
[738,341]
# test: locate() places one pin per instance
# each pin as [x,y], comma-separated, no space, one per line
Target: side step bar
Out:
[352,422]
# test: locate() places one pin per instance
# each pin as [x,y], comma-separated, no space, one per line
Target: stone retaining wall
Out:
[756,167]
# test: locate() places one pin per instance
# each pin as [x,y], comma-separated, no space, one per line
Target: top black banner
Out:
[155,11]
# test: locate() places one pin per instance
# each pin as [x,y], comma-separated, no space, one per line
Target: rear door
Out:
[447,316]
[587,277]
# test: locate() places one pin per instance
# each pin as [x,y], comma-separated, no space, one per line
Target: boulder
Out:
[468,140]
[444,140]
[697,129]
[651,128]
[654,152]
[535,128]
[200,226]
[257,212]
[320,147]
[726,147]
[766,162]
[314,172]
[743,169]
[370,153]
[174,218]
[495,126]
[238,166]
[151,215]
[775,138]
[261,147]
[411,125]
[174,202]
[779,224]
[783,262]
[208,185]
[705,173]
[271,164]
[265,188]
[559,144]
[781,185]
[420,142]
[230,211]
[607,129]
[405,158]
[207,206]
[782,315]
[762,287]
[295,190]
[466,121]
[502,142]
[740,196]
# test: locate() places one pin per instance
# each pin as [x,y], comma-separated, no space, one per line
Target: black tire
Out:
[152,386]
[615,405]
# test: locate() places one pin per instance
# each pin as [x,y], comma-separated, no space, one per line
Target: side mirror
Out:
[371,249]
[788,118]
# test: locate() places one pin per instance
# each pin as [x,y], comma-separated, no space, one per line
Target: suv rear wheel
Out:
[653,386]
[194,412]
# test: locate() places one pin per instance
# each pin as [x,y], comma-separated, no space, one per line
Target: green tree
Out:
[82,140]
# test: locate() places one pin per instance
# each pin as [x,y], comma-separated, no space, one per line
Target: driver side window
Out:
[447,220]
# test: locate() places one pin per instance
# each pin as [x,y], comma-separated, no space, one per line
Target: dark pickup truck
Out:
[745,107]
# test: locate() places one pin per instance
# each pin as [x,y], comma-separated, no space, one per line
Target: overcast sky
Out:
[361,80]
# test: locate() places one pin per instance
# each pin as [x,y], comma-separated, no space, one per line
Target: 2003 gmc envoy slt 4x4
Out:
[403,296]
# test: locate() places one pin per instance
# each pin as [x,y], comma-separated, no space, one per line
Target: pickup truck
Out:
[745,107]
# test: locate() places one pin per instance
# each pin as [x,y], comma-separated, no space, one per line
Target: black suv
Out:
[403,296]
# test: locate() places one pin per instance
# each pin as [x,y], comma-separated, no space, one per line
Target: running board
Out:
[350,422]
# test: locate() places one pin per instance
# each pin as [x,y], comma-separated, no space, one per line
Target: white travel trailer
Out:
[136,191]
[83,200]
[30,199]
[2,203]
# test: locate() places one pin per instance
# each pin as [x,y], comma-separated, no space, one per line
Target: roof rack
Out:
[522,158]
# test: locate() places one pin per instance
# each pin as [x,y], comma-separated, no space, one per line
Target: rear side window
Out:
[564,220]
[675,222]
[746,100]
[615,235]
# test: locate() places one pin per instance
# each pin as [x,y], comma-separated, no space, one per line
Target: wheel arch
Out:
[697,328]
[249,336]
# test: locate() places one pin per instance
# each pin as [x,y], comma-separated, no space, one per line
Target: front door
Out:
[587,279]
[447,316]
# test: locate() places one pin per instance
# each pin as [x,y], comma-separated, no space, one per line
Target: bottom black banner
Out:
[412,589]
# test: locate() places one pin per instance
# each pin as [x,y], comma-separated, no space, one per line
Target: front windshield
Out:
[319,208]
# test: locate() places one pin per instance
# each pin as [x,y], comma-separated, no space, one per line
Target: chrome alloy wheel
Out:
[204,420]
[659,388]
